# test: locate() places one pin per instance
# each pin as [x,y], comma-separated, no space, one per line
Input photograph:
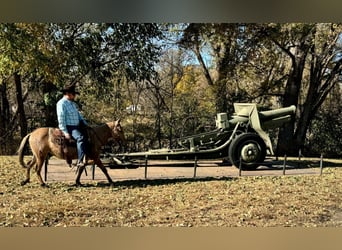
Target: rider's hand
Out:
[67,136]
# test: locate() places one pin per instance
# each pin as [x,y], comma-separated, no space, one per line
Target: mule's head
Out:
[117,132]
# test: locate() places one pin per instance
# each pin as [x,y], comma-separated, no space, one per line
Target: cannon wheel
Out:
[250,147]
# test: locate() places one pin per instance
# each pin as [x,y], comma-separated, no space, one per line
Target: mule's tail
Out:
[21,151]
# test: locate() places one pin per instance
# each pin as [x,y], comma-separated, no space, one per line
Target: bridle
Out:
[116,131]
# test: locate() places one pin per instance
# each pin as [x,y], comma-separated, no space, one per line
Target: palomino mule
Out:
[42,144]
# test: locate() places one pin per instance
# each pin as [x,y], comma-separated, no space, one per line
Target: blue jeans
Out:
[76,133]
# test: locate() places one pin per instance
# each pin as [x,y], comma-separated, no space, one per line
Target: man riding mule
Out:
[71,122]
[42,143]
[57,141]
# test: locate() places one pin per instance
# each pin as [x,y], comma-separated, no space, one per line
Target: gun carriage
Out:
[242,138]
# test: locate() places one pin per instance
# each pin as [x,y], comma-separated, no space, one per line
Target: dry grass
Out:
[305,201]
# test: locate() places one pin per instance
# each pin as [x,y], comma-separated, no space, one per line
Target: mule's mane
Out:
[107,124]
[100,125]
[101,132]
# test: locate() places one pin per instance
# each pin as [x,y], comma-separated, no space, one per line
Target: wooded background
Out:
[169,80]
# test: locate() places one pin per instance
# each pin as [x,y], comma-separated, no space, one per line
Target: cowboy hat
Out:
[70,88]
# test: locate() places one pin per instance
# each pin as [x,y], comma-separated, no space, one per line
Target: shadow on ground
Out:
[154,182]
[301,164]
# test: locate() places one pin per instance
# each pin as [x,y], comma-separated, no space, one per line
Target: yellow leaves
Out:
[187,82]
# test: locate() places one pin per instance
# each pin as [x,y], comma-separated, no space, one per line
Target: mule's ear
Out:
[117,122]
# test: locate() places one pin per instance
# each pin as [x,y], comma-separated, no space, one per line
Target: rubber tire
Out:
[237,145]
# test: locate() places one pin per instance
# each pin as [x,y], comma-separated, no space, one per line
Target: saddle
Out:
[56,136]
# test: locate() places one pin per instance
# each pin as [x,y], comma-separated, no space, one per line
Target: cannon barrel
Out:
[243,114]
[276,113]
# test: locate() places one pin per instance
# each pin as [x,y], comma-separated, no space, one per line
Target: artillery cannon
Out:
[242,138]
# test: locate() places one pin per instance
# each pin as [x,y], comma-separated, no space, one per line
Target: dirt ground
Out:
[58,170]
[170,196]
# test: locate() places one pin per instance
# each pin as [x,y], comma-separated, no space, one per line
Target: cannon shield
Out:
[261,120]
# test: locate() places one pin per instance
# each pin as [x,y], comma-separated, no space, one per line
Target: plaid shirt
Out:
[68,114]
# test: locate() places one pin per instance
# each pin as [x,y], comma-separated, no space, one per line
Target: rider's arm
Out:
[61,118]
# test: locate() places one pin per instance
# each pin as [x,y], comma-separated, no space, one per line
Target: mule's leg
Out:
[31,163]
[40,163]
[79,173]
[99,163]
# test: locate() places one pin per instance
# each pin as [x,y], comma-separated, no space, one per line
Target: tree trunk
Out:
[20,103]
[49,92]
[221,94]
[286,140]
[319,86]
[204,67]
[226,67]
[4,109]
[4,117]
[303,123]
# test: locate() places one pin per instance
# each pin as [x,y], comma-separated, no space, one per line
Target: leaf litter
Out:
[255,201]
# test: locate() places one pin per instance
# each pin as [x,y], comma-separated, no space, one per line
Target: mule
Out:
[42,144]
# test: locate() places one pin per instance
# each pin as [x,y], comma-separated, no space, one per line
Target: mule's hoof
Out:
[44,185]
[78,184]
[23,183]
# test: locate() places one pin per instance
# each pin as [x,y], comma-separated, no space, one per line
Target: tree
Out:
[19,56]
[315,47]
[324,133]
[230,46]
[302,62]
[43,57]
[99,50]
